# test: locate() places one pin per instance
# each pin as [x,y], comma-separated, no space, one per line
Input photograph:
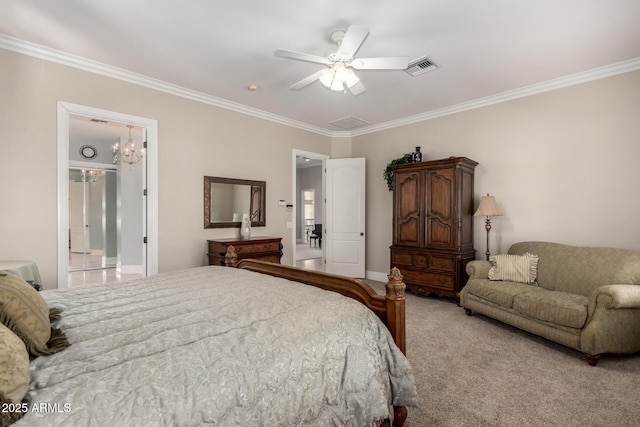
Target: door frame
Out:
[65,109]
[294,194]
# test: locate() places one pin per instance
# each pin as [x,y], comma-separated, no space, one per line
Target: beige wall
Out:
[563,166]
[194,140]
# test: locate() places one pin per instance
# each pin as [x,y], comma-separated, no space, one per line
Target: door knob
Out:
[362,234]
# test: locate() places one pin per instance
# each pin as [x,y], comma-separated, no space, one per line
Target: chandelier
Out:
[90,176]
[130,154]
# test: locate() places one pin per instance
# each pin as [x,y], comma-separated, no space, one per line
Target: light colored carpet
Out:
[475,371]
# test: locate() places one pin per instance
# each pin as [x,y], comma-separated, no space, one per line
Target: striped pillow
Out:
[514,268]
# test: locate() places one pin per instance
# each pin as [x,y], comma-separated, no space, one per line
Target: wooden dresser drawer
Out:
[262,248]
[253,248]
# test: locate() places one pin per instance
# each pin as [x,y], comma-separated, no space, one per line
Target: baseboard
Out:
[375,275]
[131,269]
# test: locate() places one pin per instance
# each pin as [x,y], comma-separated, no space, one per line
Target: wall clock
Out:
[88,152]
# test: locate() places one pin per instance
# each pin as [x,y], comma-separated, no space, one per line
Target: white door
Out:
[78,225]
[344,240]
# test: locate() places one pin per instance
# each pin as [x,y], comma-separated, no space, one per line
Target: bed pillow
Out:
[26,313]
[14,376]
[514,268]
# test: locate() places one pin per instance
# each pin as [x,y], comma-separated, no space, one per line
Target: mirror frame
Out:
[257,187]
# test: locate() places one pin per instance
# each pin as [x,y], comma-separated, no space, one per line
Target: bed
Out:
[226,346]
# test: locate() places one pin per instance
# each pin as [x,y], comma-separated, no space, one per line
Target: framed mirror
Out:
[227,199]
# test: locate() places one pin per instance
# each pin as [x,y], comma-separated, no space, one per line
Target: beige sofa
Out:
[585,298]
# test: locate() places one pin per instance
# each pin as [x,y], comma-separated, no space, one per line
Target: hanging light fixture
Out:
[90,176]
[339,78]
[130,154]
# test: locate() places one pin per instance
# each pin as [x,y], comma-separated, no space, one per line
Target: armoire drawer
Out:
[434,280]
[423,260]
[442,262]
[401,258]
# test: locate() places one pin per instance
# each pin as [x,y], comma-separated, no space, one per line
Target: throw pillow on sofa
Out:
[514,268]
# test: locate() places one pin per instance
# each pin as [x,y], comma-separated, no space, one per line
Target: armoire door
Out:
[440,230]
[407,204]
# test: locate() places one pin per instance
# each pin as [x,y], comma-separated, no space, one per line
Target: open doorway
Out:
[107,218]
[308,210]
[92,219]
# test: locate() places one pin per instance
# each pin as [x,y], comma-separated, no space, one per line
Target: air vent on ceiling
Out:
[420,66]
[349,123]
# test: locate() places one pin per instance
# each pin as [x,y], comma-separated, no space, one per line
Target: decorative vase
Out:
[245,227]
[417,156]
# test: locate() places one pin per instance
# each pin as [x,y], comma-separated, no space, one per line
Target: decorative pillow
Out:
[14,366]
[14,376]
[25,312]
[514,268]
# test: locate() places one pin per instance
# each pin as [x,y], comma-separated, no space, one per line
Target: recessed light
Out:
[252,87]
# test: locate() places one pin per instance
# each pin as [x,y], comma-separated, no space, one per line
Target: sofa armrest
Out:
[478,269]
[613,320]
[616,296]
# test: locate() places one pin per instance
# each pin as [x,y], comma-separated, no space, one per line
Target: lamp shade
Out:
[488,207]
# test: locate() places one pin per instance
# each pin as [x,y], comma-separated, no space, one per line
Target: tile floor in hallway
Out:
[96,274]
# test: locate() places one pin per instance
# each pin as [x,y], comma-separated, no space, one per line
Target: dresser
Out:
[433,224]
[262,248]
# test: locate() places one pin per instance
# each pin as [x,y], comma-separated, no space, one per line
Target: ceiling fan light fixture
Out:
[337,86]
[327,78]
[340,72]
[337,77]
[352,79]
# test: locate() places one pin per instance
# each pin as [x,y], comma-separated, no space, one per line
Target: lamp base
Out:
[487,227]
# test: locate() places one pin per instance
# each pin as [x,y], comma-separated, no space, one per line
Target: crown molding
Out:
[75,61]
[570,80]
[57,56]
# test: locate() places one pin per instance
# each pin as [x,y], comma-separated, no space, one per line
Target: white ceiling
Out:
[217,48]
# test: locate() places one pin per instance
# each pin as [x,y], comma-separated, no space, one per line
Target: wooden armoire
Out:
[433,224]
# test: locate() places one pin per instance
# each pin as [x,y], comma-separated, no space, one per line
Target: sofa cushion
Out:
[514,268]
[497,292]
[557,307]
[581,270]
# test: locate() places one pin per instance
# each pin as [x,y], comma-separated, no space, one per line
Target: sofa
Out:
[586,298]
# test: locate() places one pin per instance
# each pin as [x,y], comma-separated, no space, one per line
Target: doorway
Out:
[91,155]
[92,219]
[308,195]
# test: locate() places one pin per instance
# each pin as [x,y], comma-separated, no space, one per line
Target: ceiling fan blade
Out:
[389,63]
[308,80]
[357,88]
[289,54]
[352,40]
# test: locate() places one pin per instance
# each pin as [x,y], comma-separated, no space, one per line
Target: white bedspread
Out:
[216,346]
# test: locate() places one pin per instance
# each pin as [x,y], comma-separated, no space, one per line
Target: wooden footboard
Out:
[389,308]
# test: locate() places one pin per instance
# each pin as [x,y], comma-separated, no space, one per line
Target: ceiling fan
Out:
[339,74]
